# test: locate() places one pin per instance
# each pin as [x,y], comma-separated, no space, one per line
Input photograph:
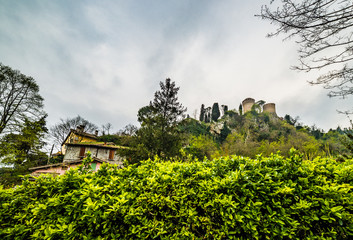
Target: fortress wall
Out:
[247,104]
[269,107]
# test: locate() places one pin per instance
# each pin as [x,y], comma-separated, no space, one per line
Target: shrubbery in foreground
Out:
[227,198]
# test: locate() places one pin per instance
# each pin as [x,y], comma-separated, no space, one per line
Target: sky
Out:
[104,60]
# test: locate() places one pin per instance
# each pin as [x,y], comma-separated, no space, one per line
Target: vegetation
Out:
[22,125]
[20,151]
[257,132]
[231,175]
[158,134]
[227,198]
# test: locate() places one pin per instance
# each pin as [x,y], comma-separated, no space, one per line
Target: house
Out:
[60,168]
[75,148]
[78,136]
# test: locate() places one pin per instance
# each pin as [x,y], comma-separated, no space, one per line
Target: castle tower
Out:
[270,108]
[247,104]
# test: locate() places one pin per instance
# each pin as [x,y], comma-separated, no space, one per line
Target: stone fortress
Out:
[248,103]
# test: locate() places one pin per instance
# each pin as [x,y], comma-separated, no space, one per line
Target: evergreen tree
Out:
[215,112]
[240,109]
[202,113]
[158,134]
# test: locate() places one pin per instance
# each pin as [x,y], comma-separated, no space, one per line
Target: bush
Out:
[227,198]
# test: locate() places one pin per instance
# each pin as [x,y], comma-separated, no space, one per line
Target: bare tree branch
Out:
[19,99]
[323,30]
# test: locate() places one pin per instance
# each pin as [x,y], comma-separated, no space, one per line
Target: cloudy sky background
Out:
[103,60]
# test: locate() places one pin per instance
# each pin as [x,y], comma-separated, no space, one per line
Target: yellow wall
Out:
[76,138]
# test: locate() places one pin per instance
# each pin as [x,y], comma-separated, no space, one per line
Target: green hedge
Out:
[226,198]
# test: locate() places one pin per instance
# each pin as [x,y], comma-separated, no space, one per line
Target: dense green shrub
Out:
[227,198]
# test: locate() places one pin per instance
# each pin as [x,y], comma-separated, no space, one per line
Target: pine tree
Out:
[158,133]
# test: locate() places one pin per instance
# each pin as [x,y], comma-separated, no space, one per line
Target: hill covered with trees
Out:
[257,132]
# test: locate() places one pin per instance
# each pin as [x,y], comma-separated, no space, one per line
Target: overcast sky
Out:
[103,60]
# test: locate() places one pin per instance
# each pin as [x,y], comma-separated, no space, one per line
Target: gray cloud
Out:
[104,60]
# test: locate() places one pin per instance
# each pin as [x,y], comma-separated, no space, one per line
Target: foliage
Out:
[158,134]
[323,30]
[227,198]
[257,132]
[201,147]
[19,148]
[193,127]
[60,130]
[19,100]
[22,150]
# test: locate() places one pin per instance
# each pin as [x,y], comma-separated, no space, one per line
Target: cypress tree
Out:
[215,112]
[202,113]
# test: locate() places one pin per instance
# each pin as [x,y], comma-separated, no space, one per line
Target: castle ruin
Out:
[248,103]
[270,108]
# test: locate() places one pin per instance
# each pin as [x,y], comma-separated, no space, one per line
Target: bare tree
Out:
[128,130]
[324,31]
[19,99]
[60,130]
[106,128]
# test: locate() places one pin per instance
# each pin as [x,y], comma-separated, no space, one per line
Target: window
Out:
[111,154]
[93,166]
[82,152]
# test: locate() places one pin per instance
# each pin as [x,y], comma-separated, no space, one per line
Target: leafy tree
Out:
[202,146]
[158,134]
[22,147]
[225,131]
[292,121]
[258,106]
[215,112]
[202,113]
[19,100]
[22,150]
[323,30]
[60,130]
[194,127]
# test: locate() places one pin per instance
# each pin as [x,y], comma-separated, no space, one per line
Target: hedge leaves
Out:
[226,198]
